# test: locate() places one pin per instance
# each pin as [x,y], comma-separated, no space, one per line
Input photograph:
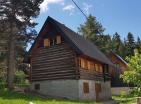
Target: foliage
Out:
[133,73]
[123,94]
[124,100]
[20,78]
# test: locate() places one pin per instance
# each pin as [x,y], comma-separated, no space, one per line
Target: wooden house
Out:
[64,64]
[119,66]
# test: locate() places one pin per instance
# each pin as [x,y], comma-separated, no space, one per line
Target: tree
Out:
[104,43]
[138,44]
[91,28]
[117,45]
[133,73]
[130,44]
[17,15]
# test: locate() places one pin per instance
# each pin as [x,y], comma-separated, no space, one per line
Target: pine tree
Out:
[130,44]
[17,15]
[138,44]
[117,44]
[91,29]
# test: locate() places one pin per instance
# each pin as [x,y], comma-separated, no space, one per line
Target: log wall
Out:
[55,62]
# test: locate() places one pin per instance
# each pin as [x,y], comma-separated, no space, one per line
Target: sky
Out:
[120,16]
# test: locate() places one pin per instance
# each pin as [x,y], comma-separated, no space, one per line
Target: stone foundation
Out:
[72,89]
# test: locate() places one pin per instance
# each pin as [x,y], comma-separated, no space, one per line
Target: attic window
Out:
[58,39]
[46,42]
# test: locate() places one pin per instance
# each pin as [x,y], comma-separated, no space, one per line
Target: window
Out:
[86,64]
[96,67]
[82,63]
[101,69]
[37,86]
[46,43]
[89,65]
[58,39]
[86,87]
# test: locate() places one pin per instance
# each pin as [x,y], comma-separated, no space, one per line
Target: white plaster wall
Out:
[73,89]
[59,88]
[119,90]
[104,95]
[91,94]
[106,90]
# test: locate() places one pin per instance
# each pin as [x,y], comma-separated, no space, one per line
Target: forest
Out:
[94,31]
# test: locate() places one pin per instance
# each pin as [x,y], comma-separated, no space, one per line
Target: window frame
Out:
[37,86]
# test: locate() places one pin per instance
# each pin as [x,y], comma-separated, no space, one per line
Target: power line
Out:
[80,9]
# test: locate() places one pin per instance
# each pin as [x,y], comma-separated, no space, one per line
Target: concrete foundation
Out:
[119,90]
[73,89]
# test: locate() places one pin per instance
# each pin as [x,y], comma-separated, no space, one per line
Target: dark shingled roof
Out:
[81,45]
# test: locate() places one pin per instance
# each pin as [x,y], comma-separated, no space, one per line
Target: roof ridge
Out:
[73,33]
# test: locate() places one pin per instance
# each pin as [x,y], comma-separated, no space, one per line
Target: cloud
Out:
[70,8]
[45,3]
[87,8]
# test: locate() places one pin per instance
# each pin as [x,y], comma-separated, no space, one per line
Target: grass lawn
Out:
[124,100]
[9,97]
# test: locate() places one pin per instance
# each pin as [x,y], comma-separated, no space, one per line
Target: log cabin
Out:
[118,68]
[64,64]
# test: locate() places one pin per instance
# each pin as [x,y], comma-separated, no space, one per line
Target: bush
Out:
[123,94]
[135,92]
[20,79]
[2,83]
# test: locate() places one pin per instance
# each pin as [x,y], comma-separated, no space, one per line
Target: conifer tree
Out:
[17,15]
[91,29]
[130,44]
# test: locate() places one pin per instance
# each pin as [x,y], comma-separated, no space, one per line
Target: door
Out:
[97,91]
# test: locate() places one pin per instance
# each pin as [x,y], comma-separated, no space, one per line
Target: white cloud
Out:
[70,8]
[45,3]
[87,8]
[20,18]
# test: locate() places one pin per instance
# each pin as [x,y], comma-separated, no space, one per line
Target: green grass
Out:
[124,99]
[10,97]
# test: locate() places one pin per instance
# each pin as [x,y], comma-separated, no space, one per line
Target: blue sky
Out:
[120,16]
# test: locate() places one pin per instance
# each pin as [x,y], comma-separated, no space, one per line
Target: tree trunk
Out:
[11,63]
